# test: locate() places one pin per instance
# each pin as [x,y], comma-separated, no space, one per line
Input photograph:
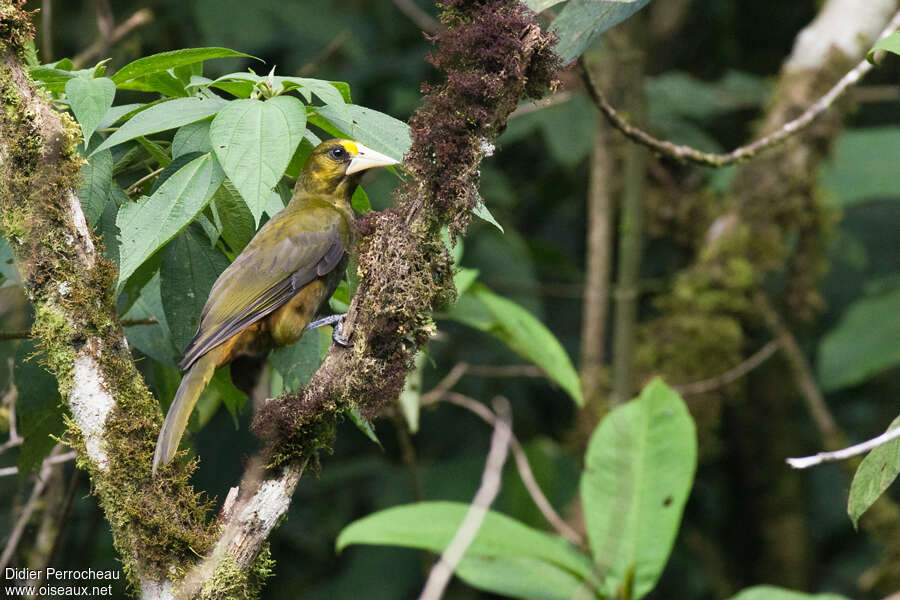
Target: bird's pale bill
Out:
[366,158]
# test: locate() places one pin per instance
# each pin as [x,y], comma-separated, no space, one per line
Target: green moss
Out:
[230,582]
[155,522]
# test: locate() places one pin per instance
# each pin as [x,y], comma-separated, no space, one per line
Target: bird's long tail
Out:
[192,385]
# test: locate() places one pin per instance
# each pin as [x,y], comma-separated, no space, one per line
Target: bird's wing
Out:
[261,279]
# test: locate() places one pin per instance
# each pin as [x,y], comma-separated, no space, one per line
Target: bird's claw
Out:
[336,335]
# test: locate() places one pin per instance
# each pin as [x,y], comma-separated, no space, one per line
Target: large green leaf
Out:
[431,526]
[581,21]
[769,592]
[297,363]
[377,130]
[521,331]
[522,577]
[189,269]
[255,141]
[862,166]
[96,179]
[164,61]
[193,137]
[39,411]
[90,99]
[863,343]
[163,116]
[873,477]
[150,222]
[639,467]
[233,217]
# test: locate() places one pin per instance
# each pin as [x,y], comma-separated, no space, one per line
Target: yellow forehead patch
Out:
[351,147]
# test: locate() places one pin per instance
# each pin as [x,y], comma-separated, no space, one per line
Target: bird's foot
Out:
[337,335]
[337,321]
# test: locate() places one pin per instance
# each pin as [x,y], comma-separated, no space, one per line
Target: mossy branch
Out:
[687,154]
[115,419]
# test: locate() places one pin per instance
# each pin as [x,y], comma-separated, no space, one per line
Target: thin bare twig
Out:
[832,436]
[522,465]
[49,461]
[134,186]
[426,22]
[686,154]
[138,19]
[854,450]
[556,99]
[713,383]
[16,536]
[491,480]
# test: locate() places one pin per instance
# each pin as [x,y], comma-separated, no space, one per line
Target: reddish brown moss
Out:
[493,54]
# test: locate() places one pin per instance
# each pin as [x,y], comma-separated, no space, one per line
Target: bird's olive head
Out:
[335,166]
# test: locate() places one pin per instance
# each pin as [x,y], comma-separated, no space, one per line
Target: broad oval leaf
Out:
[296,363]
[150,222]
[521,331]
[639,467]
[169,60]
[96,179]
[377,130]
[522,577]
[163,116]
[90,99]
[581,21]
[233,217]
[254,141]
[770,592]
[193,137]
[499,536]
[863,343]
[874,476]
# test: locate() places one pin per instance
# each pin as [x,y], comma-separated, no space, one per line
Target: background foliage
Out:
[706,82]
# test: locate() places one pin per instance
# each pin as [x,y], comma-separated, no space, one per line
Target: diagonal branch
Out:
[686,154]
[491,480]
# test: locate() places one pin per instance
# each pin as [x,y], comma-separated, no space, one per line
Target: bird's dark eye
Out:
[338,153]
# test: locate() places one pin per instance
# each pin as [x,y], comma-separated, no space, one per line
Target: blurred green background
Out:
[707,83]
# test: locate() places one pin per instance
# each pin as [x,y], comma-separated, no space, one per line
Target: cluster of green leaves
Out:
[178,185]
[639,468]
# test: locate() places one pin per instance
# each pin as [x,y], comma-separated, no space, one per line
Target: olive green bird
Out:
[277,284]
